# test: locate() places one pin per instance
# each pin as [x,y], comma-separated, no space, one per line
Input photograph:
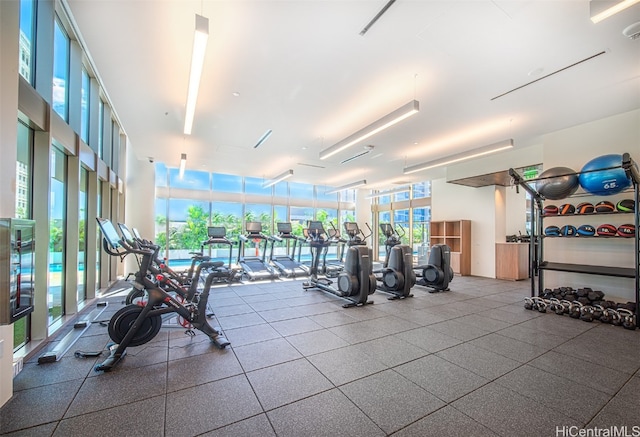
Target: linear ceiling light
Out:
[279,178]
[402,189]
[377,17]
[473,153]
[610,8]
[183,164]
[347,187]
[197,62]
[263,138]
[388,120]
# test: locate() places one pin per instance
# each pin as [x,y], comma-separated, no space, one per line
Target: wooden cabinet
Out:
[457,235]
[512,261]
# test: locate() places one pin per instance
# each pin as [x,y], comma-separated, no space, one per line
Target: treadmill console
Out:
[284,227]
[253,227]
[217,231]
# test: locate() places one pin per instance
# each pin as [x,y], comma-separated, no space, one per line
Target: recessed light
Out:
[236,94]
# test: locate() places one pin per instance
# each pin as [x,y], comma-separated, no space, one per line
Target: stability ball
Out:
[598,177]
[557,183]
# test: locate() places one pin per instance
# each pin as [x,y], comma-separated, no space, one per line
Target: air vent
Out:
[367,149]
[550,74]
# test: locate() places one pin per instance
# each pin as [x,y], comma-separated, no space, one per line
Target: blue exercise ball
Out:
[557,183]
[604,175]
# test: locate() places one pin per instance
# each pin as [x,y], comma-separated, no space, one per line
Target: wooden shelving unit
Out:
[457,235]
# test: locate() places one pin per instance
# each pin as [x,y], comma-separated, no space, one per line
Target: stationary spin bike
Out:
[135,325]
[397,275]
[355,283]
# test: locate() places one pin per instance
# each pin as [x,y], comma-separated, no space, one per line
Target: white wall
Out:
[139,200]
[495,212]
[574,147]
[457,202]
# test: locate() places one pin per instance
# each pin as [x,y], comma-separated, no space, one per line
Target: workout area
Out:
[320,218]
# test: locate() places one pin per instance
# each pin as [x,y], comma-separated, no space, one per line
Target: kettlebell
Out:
[575,309]
[528,303]
[586,313]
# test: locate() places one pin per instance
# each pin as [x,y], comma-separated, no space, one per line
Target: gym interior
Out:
[288,260]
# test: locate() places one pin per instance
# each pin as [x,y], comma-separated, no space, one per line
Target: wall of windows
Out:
[409,213]
[60,70]
[27,39]
[55,167]
[238,200]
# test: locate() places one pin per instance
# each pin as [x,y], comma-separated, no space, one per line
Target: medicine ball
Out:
[598,177]
[626,205]
[606,230]
[552,231]
[586,231]
[627,230]
[557,183]
[568,231]
[605,206]
[584,208]
[550,210]
[566,208]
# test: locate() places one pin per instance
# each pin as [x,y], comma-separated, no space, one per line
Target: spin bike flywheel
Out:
[135,296]
[124,318]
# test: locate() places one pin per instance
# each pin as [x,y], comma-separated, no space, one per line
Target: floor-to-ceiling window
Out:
[420,233]
[27,39]
[238,200]
[383,217]
[188,221]
[409,212]
[57,234]
[24,185]
[83,216]
[98,235]
[85,105]
[60,70]
[101,129]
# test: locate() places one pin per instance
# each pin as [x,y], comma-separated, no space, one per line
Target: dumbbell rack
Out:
[538,266]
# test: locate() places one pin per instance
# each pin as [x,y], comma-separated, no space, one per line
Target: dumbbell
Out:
[628,318]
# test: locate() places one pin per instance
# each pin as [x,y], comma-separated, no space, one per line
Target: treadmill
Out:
[218,237]
[286,264]
[255,267]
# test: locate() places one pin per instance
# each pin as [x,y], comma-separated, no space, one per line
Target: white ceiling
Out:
[303,70]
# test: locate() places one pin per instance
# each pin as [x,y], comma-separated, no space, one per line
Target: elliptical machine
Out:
[438,273]
[135,325]
[397,275]
[355,283]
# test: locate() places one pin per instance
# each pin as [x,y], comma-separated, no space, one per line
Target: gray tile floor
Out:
[471,362]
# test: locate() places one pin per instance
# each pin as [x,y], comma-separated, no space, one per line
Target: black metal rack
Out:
[538,265]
